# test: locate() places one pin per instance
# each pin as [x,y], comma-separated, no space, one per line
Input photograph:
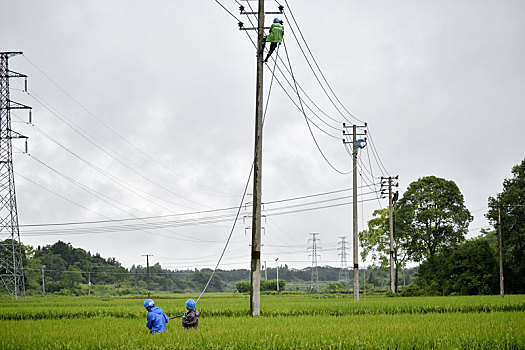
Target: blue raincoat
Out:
[157,320]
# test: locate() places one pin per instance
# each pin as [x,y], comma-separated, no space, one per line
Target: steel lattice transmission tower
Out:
[314,249]
[343,273]
[11,269]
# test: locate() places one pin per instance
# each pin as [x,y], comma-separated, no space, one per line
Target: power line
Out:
[313,71]
[89,138]
[58,195]
[309,128]
[376,154]
[93,230]
[99,195]
[126,185]
[183,214]
[303,102]
[326,81]
[225,9]
[317,65]
[100,120]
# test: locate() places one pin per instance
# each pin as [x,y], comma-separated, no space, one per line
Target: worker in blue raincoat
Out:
[157,319]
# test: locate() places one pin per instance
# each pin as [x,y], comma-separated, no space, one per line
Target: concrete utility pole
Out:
[364,281]
[500,248]
[391,201]
[255,268]
[147,266]
[355,145]
[43,280]
[276,260]
[255,275]
[265,271]
[500,244]
[391,224]
[355,227]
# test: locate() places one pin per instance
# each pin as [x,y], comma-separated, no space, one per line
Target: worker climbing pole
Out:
[275,37]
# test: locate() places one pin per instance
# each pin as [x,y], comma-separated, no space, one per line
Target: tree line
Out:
[60,268]
[430,225]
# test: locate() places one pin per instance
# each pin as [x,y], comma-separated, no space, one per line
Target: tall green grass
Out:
[289,322]
[271,305]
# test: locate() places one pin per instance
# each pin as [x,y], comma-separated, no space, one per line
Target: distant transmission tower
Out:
[343,273]
[11,269]
[314,283]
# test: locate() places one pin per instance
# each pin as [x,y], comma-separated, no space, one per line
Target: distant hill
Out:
[68,270]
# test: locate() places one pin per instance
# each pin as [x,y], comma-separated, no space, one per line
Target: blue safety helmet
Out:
[148,302]
[191,304]
[276,20]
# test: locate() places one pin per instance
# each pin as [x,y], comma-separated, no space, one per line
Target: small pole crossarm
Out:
[253,28]
[243,12]
[357,134]
[351,126]
[256,13]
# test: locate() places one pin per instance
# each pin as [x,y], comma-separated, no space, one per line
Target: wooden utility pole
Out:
[147,266]
[364,281]
[255,272]
[500,244]
[89,281]
[276,260]
[355,227]
[43,280]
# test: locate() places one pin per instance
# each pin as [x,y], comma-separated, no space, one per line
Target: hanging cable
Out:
[317,65]
[304,114]
[243,195]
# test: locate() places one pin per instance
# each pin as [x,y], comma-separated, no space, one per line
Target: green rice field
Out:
[287,322]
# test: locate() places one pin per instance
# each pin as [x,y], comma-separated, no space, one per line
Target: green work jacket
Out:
[276,33]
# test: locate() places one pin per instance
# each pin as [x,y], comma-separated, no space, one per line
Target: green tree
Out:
[72,278]
[243,286]
[512,207]
[433,214]
[469,269]
[376,242]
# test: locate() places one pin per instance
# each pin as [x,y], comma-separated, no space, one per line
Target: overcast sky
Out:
[147,108]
